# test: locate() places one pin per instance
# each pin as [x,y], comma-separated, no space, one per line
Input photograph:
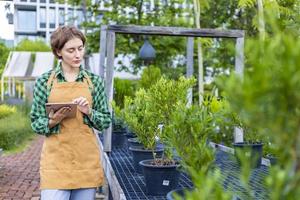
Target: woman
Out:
[70,167]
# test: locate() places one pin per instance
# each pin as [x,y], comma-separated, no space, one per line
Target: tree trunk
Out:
[261,21]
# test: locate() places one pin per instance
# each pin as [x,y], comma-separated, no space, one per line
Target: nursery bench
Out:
[133,184]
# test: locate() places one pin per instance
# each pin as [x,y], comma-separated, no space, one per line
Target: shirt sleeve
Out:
[39,118]
[100,116]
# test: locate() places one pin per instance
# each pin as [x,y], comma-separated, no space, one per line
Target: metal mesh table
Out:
[133,184]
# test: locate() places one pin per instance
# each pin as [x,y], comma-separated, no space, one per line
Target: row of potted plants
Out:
[172,134]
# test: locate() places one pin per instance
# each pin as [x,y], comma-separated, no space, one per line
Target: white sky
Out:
[6,30]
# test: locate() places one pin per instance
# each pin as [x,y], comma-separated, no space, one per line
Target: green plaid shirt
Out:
[100,118]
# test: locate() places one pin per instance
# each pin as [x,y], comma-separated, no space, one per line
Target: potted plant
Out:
[225,120]
[144,124]
[118,132]
[161,174]
[188,133]
[267,100]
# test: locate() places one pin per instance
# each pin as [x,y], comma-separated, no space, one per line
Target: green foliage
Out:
[188,130]
[118,124]
[223,119]
[6,110]
[133,12]
[4,52]
[14,129]
[163,98]
[282,184]
[247,3]
[207,186]
[266,100]
[149,77]
[123,88]
[139,119]
[28,45]
[267,90]
[152,107]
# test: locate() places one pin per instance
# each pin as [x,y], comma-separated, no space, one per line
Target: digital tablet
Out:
[57,106]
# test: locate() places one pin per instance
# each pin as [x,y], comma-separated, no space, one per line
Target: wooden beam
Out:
[175,31]
[109,84]
[102,45]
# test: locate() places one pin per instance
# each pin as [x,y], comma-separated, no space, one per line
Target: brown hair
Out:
[62,35]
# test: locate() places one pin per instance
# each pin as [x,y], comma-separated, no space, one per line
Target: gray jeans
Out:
[76,194]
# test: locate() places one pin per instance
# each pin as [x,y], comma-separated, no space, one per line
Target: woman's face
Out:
[72,53]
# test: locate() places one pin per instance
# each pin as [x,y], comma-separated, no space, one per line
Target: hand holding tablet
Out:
[56,106]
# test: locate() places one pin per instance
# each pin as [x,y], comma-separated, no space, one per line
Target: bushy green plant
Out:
[223,119]
[188,131]
[14,129]
[4,52]
[207,186]
[118,125]
[152,107]
[163,98]
[122,88]
[266,100]
[6,110]
[136,115]
[149,77]
[28,45]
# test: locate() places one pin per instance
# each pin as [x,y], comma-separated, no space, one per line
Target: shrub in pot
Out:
[144,124]
[188,133]
[225,120]
[161,175]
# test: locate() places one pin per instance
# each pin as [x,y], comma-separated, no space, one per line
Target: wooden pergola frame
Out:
[107,50]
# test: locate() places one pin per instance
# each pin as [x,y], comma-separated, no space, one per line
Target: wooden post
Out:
[109,83]
[239,69]
[239,56]
[102,45]
[190,66]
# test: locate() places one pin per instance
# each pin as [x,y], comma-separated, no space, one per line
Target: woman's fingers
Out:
[63,111]
[51,114]
[81,101]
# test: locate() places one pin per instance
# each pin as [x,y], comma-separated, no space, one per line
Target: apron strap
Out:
[50,80]
[88,81]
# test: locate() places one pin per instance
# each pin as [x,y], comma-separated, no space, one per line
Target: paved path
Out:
[19,173]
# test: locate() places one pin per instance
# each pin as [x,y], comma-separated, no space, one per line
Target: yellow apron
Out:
[71,158]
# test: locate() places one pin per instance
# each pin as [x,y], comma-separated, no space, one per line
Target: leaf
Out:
[246,3]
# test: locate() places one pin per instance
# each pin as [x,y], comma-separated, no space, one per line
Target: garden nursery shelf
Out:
[125,183]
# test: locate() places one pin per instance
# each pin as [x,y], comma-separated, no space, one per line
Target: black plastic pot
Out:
[134,143]
[128,136]
[272,159]
[159,179]
[251,151]
[118,139]
[139,154]
[179,192]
